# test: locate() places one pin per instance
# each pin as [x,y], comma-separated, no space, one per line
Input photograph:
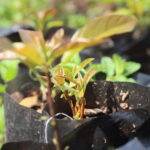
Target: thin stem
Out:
[82,108]
[69,102]
[56,140]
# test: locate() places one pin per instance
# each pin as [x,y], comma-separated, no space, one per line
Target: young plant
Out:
[96,31]
[116,68]
[72,82]
[39,55]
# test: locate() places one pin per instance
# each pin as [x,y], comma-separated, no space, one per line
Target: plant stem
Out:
[69,102]
[82,108]
[50,103]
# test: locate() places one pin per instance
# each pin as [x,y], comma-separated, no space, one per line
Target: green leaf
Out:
[56,39]
[9,69]
[119,64]
[59,76]
[2,88]
[96,67]
[131,67]
[82,65]
[121,78]
[56,23]
[105,26]
[107,66]
[68,50]
[34,38]
[33,51]
[98,29]
[76,59]
[88,76]
[72,80]
[29,55]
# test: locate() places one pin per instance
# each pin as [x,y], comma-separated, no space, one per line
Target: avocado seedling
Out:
[72,82]
[39,55]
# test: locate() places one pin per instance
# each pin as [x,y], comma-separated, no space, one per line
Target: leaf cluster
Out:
[39,55]
[72,82]
[116,68]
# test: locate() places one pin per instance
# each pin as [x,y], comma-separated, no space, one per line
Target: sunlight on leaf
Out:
[88,76]
[8,69]
[47,14]
[105,26]
[82,65]
[119,64]
[2,88]
[30,55]
[34,38]
[131,67]
[56,39]
[59,76]
[107,66]
[98,29]
[73,47]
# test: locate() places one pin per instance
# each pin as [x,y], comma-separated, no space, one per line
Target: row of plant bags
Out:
[140,142]
[126,120]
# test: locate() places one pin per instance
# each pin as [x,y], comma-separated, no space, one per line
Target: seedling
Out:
[39,55]
[116,68]
[72,82]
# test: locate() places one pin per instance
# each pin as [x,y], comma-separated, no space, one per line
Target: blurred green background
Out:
[74,13]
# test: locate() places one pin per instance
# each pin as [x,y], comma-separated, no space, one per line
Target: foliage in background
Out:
[139,8]
[73,13]
[8,71]
[116,68]
[75,17]
[14,11]
[43,20]
[75,20]
[98,29]
[76,13]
